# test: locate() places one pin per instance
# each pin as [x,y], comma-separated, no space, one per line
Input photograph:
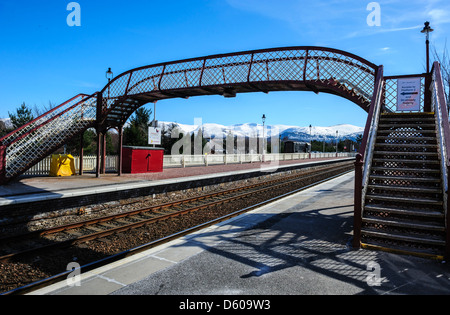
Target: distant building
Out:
[296,147]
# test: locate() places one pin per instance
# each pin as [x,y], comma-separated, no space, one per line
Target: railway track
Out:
[199,211]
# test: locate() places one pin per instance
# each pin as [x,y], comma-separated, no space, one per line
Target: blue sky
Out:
[42,59]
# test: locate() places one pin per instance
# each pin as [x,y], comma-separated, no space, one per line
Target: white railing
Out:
[89,161]
[216,159]
[89,165]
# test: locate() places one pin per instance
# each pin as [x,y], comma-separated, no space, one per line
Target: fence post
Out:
[357,215]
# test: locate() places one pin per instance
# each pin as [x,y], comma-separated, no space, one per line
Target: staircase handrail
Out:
[364,156]
[443,129]
[443,133]
[53,123]
[39,121]
[370,131]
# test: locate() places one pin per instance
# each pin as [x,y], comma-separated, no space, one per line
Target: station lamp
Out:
[427,30]
[264,135]
[109,75]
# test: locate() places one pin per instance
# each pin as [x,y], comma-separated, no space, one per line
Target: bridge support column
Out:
[99,148]
[119,153]
[99,133]
[80,169]
[103,161]
[357,215]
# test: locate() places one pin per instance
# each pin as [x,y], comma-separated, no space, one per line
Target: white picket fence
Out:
[216,159]
[89,161]
[89,165]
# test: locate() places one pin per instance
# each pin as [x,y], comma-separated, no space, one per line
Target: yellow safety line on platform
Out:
[403,252]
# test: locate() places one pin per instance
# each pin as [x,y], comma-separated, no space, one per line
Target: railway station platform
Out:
[294,246]
[58,192]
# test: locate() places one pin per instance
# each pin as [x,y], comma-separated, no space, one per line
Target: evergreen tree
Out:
[136,133]
[23,115]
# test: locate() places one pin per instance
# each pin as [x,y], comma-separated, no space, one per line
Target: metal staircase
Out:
[404,198]
[26,146]
[401,175]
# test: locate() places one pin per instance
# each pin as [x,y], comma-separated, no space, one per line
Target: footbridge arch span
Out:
[302,68]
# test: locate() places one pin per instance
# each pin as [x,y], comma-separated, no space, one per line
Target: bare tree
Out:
[444,60]
[38,111]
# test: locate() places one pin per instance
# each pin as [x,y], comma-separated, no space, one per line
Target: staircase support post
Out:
[103,157]
[80,169]
[447,220]
[357,215]
[427,96]
[98,129]
[2,164]
[99,148]
[120,153]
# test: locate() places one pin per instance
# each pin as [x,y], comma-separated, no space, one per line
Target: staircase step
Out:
[408,146]
[406,140]
[407,169]
[405,125]
[404,237]
[408,224]
[407,119]
[381,160]
[416,201]
[428,154]
[403,114]
[432,214]
[407,178]
[406,189]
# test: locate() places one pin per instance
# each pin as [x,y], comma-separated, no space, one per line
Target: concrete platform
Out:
[298,245]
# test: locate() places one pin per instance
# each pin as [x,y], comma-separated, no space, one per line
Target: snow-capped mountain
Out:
[345,131]
[5,124]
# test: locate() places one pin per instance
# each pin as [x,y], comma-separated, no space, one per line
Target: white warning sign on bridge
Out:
[408,94]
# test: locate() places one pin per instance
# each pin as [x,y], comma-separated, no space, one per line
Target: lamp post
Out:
[109,75]
[337,142]
[310,141]
[264,136]
[427,30]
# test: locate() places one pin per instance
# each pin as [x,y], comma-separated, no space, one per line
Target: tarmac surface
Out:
[295,246]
